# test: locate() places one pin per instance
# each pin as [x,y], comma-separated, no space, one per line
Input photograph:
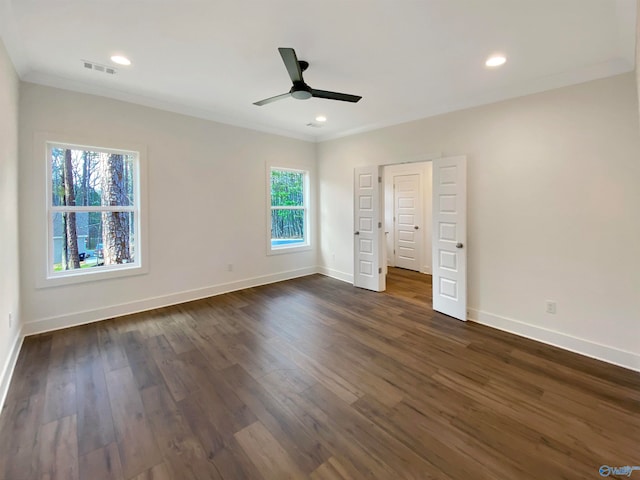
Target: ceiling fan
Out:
[300,90]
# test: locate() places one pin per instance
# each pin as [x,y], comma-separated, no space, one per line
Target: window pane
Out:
[287,189]
[93,239]
[287,227]
[87,178]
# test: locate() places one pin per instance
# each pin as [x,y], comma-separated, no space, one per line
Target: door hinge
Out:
[379,269]
[379,224]
[379,179]
[394,251]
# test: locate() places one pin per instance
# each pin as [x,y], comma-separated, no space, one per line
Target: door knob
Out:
[357,233]
[416,227]
[459,245]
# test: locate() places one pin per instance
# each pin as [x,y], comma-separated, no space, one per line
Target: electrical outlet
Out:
[230,267]
[551,307]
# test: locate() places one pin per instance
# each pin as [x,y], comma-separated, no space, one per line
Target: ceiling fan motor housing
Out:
[300,91]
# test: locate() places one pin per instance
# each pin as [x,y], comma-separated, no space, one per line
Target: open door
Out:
[450,236]
[367,230]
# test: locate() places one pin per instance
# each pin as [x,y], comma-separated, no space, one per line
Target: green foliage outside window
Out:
[287,206]
[90,192]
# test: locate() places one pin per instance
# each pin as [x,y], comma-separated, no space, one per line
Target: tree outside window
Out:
[288,208]
[94,209]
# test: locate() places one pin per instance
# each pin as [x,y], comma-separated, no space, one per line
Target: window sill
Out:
[287,249]
[106,273]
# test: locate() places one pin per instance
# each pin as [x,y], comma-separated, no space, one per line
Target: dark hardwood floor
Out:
[312,378]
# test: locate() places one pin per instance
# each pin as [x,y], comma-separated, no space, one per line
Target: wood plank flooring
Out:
[311,379]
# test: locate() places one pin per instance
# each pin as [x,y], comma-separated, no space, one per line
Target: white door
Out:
[367,230]
[450,236]
[407,221]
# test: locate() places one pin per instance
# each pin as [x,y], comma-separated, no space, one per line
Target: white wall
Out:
[206,197]
[553,196]
[9,270]
[424,169]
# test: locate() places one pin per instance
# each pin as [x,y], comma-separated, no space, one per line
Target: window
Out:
[93,210]
[288,215]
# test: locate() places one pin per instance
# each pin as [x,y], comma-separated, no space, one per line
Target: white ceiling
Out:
[407,58]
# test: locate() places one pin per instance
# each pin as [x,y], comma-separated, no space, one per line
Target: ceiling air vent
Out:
[314,125]
[98,67]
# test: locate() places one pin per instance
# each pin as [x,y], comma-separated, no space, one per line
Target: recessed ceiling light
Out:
[120,60]
[321,118]
[495,61]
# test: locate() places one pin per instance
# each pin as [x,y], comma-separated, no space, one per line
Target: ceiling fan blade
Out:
[291,62]
[345,97]
[272,99]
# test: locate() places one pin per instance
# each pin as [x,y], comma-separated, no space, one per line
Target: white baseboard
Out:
[89,316]
[588,348]
[337,274]
[9,366]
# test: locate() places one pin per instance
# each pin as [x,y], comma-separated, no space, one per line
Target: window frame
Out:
[299,247]
[139,266]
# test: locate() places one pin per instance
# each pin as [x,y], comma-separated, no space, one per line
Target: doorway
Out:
[407,216]
[440,250]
